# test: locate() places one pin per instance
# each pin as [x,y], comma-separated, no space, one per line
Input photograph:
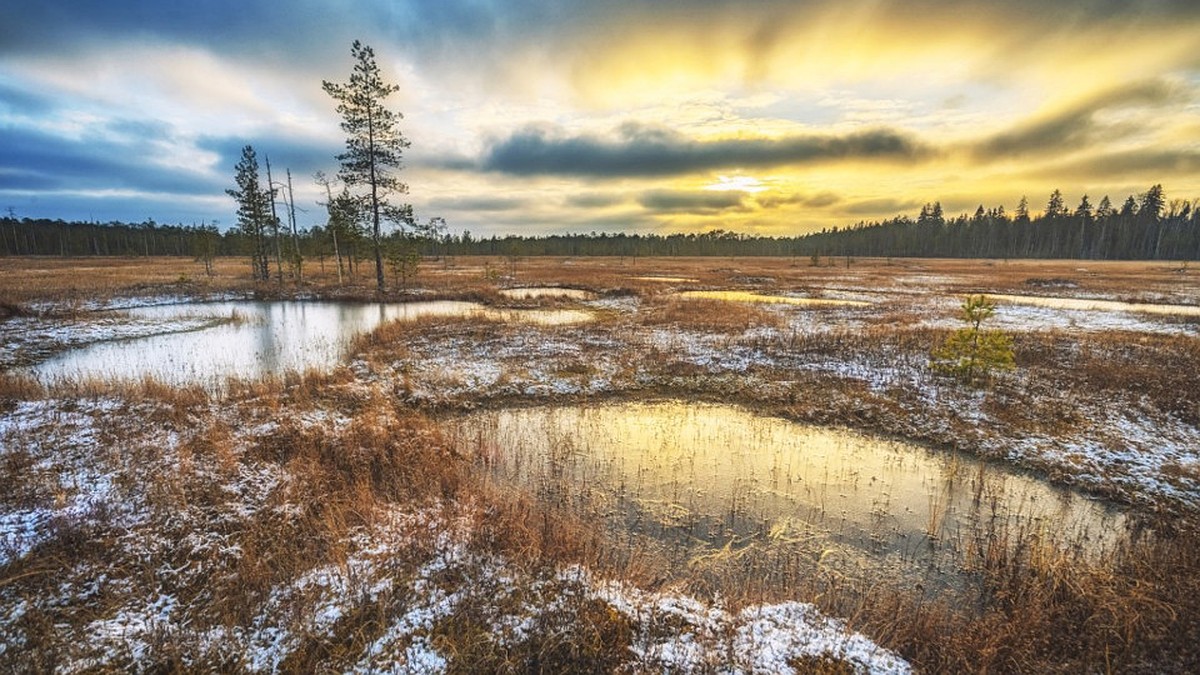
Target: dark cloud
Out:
[655,151]
[228,26]
[818,200]
[442,162]
[93,162]
[1144,165]
[19,180]
[41,170]
[1077,127]
[823,199]
[689,201]
[572,221]
[596,200]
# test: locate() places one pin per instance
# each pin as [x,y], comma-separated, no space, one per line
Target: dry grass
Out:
[712,316]
[339,480]
[1137,610]
[67,280]
[27,279]
[1037,610]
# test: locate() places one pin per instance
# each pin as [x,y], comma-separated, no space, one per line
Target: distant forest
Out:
[1144,227]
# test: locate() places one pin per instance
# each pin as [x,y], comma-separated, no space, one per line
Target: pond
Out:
[1096,305]
[251,339]
[703,482]
[667,280]
[747,296]
[535,292]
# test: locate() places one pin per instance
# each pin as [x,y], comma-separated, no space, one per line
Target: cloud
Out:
[148,104]
[486,204]
[22,101]
[595,200]
[688,201]
[880,206]
[1076,126]
[818,200]
[641,150]
[95,161]
[107,207]
[303,156]
[252,27]
[1148,165]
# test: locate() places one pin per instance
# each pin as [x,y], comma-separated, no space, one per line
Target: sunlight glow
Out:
[736,183]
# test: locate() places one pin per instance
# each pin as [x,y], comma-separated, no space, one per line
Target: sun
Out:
[738,183]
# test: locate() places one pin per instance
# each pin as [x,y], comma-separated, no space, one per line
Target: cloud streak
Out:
[656,151]
[684,201]
[92,162]
[1077,126]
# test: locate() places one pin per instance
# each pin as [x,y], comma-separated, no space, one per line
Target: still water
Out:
[535,292]
[668,280]
[254,339]
[1095,305]
[747,296]
[702,480]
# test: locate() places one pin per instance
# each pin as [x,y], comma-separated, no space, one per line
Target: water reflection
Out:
[258,338]
[708,480]
[747,296]
[533,292]
[1096,305]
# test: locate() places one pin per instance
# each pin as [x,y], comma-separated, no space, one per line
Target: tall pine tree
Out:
[374,145]
[254,205]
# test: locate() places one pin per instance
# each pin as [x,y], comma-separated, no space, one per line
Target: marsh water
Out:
[252,339]
[710,482]
[747,296]
[667,280]
[1085,304]
[537,292]
[697,483]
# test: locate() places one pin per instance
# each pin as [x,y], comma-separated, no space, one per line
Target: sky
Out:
[534,116]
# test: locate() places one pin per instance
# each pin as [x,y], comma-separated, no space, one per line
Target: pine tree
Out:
[254,204]
[1152,204]
[1084,210]
[1055,207]
[1021,215]
[971,353]
[374,145]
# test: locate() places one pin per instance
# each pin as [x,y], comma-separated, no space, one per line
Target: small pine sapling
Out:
[972,353]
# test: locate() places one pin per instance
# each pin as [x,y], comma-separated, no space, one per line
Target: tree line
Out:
[1144,227]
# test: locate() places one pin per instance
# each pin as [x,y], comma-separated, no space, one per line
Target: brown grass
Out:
[713,316]
[1137,610]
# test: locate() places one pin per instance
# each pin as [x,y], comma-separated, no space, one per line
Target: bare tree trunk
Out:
[337,254]
[274,223]
[292,222]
